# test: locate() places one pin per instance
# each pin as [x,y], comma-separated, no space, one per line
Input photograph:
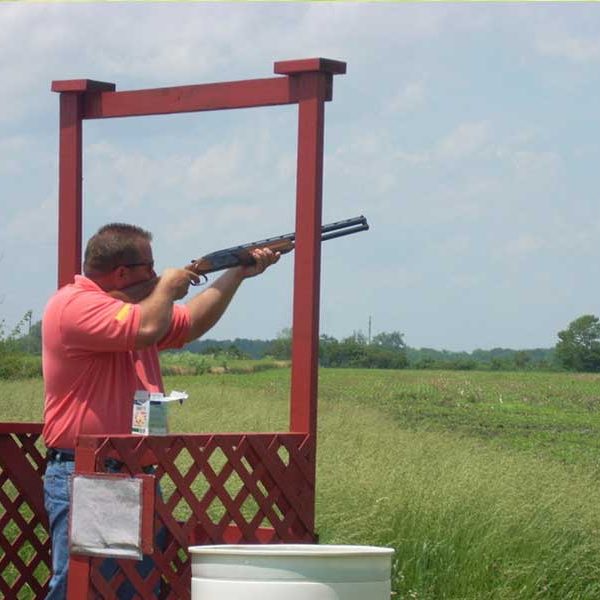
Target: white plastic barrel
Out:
[291,572]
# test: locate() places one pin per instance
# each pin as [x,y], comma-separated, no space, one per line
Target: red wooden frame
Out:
[307,83]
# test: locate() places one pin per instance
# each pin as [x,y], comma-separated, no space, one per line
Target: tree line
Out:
[577,349]
[389,351]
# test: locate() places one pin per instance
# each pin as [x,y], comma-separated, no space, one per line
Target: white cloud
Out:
[453,245]
[11,150]
[465,281]
[561,44]
[219,172]
[523,245]
[224,170]
[464,141]
[30,224]
[413,158]
[541,164]
[409,98]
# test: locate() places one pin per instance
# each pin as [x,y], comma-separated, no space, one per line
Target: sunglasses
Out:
[140,264]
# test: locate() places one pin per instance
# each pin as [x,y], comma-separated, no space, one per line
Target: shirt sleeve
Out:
[178,333]
[94,321]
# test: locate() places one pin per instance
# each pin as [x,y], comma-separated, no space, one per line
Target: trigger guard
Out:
[201,282]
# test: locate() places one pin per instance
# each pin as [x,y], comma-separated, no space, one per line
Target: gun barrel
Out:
[345,227]
[348,225]
[348,231]
[362,221]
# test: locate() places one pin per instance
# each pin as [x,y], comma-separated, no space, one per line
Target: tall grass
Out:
[469,518]
[486,485]
[22,400]
[466,521]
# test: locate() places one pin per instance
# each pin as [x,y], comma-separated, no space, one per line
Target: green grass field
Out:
[486,484]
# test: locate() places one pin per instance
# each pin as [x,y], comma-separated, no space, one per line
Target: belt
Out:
[61,455]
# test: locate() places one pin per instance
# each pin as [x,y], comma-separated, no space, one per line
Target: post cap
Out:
[308,65]
[82,86]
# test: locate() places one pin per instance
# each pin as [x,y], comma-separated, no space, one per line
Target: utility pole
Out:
[369,336]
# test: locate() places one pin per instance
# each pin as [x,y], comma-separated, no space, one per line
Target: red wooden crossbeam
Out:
[191,98]
[15,428]
[101,101]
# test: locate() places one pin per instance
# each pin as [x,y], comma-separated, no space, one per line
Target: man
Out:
[98,349]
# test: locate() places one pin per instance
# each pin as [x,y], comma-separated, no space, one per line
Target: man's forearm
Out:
[156,313]
[157,308]
[207,307]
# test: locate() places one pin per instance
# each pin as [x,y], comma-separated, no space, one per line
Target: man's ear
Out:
[120,276]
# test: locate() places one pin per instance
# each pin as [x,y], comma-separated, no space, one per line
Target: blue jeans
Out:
[57,497]
[56,500]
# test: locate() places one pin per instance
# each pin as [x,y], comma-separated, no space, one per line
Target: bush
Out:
[17,365]
[355,355]
[578,348]
[183,363]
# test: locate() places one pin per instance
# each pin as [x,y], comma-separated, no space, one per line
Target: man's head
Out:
[119,255]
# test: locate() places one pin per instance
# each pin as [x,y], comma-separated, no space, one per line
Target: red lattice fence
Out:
[221,488]
[25,564]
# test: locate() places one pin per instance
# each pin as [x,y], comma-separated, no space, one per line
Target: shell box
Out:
[150,412]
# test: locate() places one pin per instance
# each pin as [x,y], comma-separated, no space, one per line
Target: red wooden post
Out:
[70,173]
[315,83]
[314,79]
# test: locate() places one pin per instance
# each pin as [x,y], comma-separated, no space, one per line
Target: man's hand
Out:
[207,307]
[264,258]
[177,282]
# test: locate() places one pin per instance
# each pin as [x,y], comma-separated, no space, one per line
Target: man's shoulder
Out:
[81,287]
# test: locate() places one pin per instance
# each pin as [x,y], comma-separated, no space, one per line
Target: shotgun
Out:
[241,255]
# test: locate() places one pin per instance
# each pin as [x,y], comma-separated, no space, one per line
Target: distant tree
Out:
[354,352]
[357,337]
[522,359]
[281,347]
[234,352]
[16,349]
[212,349]
[391,341]
[578,348]
[497,364]
[24,336]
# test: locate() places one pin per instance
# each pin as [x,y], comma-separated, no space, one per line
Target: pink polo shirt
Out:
[91,369]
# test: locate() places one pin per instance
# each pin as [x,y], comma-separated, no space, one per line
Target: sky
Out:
[467,134]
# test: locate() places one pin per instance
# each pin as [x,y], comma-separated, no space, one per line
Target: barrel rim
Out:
[283,550]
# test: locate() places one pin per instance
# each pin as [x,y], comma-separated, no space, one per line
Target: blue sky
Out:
[467,134]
